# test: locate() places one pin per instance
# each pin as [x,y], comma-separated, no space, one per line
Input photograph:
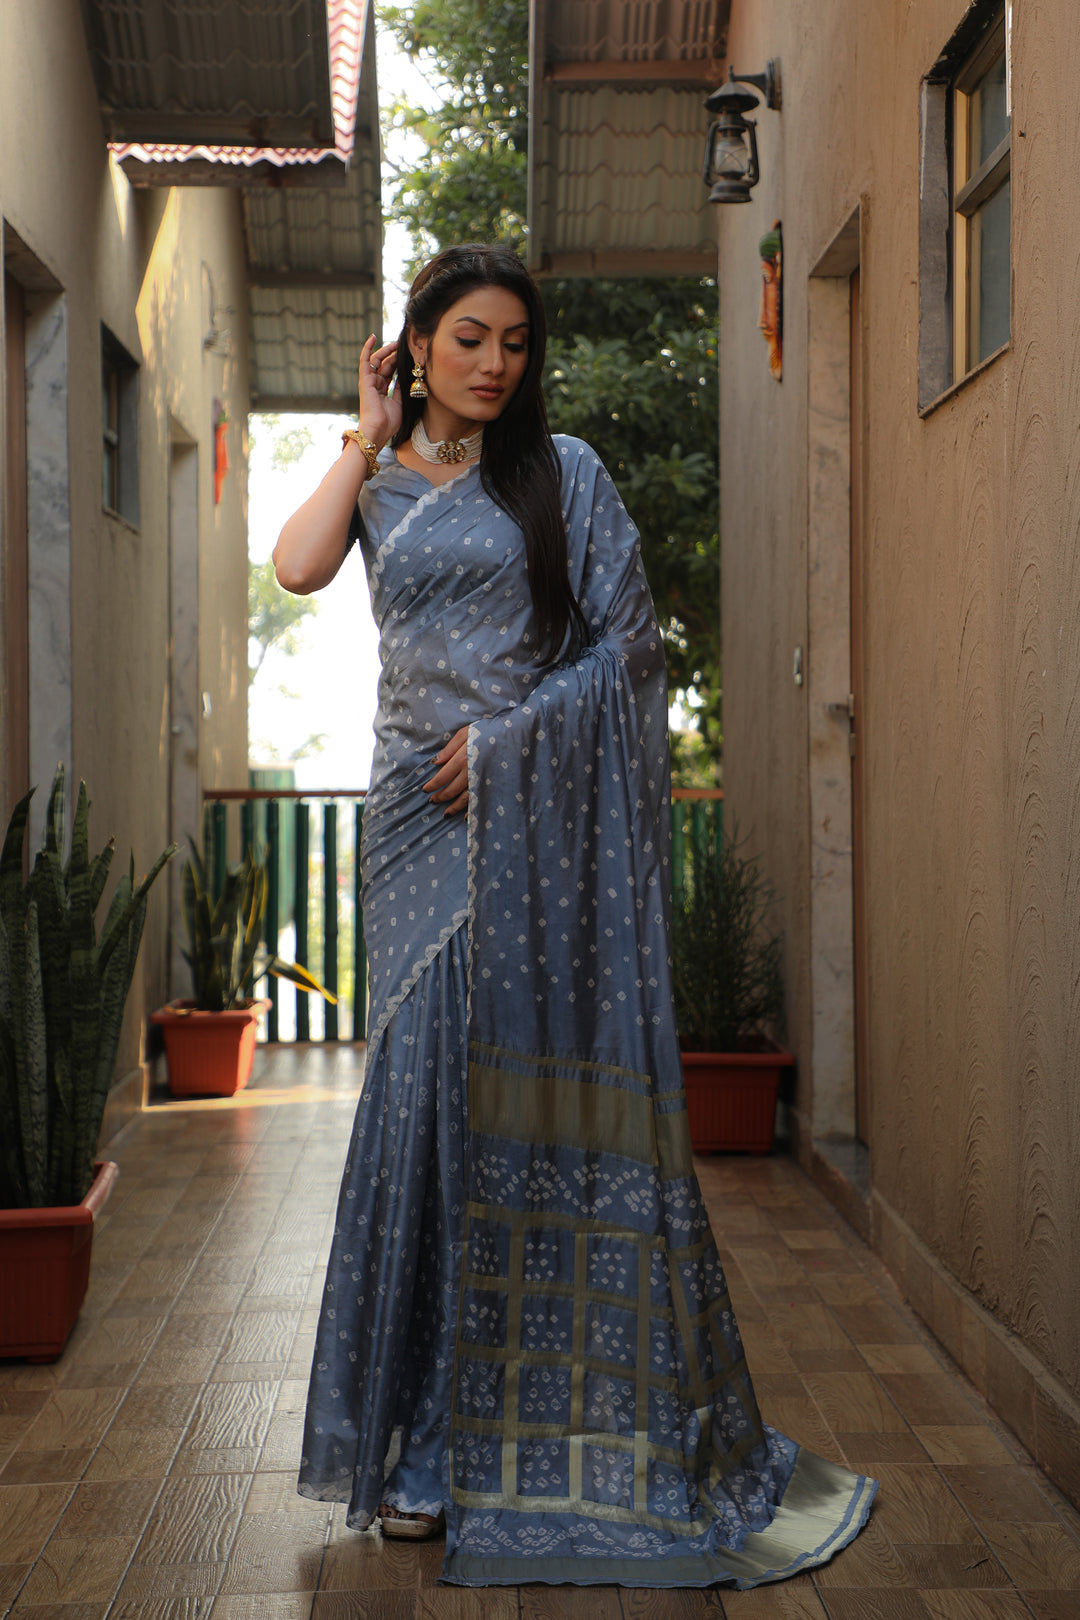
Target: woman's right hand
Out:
[379,410]
[312,544]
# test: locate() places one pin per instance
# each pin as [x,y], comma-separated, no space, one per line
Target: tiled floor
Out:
[150,1472]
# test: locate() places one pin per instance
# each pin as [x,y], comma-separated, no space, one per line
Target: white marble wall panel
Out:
[48,512]
[185,806]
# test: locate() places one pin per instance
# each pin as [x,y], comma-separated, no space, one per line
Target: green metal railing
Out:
[311,841]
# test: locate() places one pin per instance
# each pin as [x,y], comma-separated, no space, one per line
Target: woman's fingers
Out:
[456,745]
[450,784]
[378,407]
[452,778]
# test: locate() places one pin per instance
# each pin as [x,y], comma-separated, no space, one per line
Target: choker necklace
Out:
[447,450]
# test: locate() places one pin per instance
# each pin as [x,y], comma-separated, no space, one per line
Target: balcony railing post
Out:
[247,828]
[698,836]
[272,888]
[678,852]
[303,1027]
[247,841]
[330,918]
[359,949]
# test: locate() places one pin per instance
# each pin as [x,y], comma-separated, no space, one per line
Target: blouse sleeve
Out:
[356,530]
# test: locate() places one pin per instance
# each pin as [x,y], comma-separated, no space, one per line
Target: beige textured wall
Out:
[971,726]
[134,261]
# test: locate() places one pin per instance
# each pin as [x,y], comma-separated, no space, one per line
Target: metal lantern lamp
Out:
[731,155]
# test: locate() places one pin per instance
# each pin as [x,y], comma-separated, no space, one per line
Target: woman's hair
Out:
[519,465]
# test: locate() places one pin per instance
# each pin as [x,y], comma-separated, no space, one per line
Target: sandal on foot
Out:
[410,1526]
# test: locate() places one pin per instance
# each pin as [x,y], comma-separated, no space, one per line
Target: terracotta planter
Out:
[44,1270]
[209,1054]
[731,1098]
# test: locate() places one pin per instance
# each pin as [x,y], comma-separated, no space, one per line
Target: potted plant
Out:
[62,995]
[728,996]
[210,1037]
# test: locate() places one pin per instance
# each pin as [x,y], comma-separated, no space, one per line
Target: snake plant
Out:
[224,930]
[728,986]
[62,995]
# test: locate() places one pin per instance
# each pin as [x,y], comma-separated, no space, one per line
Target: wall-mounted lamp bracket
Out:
[768,83]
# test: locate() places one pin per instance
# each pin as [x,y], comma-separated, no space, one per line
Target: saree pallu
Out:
[603,1425]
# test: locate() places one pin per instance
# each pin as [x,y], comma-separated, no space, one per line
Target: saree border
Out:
[821,1512]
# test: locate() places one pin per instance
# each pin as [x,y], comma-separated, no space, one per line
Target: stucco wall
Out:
[137,262]
[970,727]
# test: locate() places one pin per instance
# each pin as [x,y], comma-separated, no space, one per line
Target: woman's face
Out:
[477,355]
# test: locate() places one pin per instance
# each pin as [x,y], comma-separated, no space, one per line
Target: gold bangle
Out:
[371,455]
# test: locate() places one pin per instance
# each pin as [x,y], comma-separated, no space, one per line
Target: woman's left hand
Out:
[451,780]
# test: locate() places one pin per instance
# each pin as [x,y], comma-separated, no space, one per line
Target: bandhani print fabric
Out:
[544,1344]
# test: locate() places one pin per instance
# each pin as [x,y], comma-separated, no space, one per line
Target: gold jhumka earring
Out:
[419,388]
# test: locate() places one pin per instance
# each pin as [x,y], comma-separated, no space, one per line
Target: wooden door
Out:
[858,874]
[15,695]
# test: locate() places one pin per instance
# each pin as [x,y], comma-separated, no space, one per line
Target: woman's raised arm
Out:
[311,547]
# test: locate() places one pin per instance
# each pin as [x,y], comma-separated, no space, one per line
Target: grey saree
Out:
[526,1320]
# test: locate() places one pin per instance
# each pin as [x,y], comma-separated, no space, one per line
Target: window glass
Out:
[990,250]
[989,117]
[110,393]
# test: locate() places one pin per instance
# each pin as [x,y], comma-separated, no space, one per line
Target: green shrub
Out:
[728,988]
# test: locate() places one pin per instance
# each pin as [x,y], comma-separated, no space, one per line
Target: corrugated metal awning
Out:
[616,135]
[215,71]
[202,162]
[315,272]
[312,225]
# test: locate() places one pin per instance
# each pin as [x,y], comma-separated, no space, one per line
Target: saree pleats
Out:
[381,1375]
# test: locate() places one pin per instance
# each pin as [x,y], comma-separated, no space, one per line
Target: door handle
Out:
[844,710]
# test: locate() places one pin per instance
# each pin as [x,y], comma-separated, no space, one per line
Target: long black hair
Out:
[519,465]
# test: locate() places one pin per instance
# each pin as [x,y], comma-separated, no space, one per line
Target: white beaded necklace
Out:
[447,450]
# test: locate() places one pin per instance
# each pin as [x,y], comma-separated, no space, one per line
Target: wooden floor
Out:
[150,1472]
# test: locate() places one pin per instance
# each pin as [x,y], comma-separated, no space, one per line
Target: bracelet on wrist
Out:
[371,455]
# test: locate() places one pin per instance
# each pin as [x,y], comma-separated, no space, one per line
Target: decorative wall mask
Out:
[221,448]
[771,320]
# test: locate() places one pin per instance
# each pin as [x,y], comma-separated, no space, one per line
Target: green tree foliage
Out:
[287,445]
[274,616]
[632,369]
[471,184]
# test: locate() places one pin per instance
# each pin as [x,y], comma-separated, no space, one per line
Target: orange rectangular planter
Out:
[45,1269]
[209,1054]
[731,1098]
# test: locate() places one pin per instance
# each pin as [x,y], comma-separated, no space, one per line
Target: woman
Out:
[526,1328]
